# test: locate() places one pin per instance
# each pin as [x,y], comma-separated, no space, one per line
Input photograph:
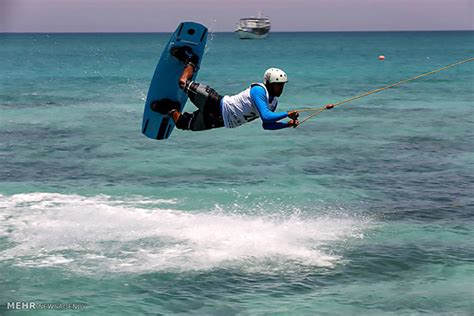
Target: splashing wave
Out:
[137,235]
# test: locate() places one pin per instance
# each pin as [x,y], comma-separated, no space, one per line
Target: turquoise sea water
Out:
[367,209]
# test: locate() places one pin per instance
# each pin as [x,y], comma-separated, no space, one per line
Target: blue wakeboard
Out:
[164,86]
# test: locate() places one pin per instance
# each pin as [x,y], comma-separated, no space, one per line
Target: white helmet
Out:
[274,75]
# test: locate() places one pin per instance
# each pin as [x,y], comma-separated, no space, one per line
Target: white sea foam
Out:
[134,235]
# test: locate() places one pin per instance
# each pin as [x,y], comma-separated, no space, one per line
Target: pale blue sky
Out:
[286,15]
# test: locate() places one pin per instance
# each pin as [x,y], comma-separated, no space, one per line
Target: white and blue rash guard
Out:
[250,104]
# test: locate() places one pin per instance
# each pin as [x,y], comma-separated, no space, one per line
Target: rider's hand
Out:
[329,106]
[293,114]
[293,123]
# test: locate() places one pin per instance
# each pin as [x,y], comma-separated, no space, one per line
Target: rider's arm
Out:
[259,98]
[275,125]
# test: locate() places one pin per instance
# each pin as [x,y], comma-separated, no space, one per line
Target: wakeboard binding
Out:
[185,55]
[164,106]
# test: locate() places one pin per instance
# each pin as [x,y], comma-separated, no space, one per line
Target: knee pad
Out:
[189,86]
[184,121]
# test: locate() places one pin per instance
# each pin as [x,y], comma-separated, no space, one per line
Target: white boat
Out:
[253,27]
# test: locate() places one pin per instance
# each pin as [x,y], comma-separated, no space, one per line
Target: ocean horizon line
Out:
[231,32]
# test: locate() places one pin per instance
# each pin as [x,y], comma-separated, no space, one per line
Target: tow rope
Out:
[319,110]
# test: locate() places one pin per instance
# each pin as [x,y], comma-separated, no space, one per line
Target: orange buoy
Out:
[381,57]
